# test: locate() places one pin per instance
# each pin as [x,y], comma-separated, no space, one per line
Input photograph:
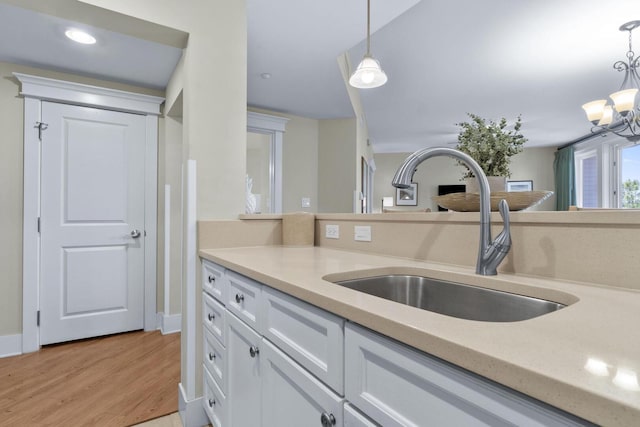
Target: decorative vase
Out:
[496,183]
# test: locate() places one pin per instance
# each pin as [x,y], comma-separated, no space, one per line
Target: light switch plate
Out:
[362,233]
[306,202]
[332,231]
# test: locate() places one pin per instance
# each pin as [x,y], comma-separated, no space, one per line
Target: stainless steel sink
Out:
[453,299]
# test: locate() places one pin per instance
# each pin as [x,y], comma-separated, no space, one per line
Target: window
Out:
[608,174]
[630,177]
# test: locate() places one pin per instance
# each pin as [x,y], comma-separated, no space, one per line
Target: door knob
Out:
[254,351]
[135,234]
[327,420]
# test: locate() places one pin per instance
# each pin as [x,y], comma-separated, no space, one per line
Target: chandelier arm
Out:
[621,66]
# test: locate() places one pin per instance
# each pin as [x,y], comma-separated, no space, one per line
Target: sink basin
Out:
[453,299]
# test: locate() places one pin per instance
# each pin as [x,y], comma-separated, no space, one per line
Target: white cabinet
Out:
[396,385]
[214,281]
[214,317]
[273,360]
[244,299]
[244,380]
[311,336]
[353,418]
[250,381]
[213,401]
[291,396]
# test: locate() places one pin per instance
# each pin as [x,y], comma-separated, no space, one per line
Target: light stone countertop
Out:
[544,357]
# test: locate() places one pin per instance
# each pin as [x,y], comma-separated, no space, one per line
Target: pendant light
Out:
[369,74]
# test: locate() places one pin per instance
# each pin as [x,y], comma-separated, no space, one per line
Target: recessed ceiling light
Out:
[80,36]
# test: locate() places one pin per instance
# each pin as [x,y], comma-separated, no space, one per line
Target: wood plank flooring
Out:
[119,380]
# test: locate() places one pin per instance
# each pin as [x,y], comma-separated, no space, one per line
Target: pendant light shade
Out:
[369,74]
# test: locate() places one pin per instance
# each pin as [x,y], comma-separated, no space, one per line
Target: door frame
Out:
[35,90]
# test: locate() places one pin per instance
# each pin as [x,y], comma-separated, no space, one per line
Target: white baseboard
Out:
[192,413]
[10,345]
[169,323]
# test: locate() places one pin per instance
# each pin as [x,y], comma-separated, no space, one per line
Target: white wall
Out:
[300,161]
[338,165]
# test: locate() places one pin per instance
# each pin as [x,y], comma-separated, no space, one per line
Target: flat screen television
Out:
[447,189]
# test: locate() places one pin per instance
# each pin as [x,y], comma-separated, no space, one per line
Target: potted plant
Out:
[491,145]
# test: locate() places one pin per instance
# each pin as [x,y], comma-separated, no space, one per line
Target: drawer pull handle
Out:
[212,402]
[211,279]
[254,351]
[210,316]
[239,298]
[212,356]
[327,420]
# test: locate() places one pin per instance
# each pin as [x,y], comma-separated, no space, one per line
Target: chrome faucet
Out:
[490,253]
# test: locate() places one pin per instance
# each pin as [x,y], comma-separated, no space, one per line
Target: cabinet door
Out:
[243,378]
[399,386]
[292,397]
[311,336]
[353,418]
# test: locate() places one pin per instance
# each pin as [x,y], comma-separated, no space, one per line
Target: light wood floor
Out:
[117,381]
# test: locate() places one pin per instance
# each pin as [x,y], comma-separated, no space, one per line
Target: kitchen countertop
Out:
[584,359]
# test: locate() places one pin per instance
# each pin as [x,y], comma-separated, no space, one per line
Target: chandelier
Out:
[623,118]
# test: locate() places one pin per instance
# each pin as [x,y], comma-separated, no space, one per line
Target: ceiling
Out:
[541,59]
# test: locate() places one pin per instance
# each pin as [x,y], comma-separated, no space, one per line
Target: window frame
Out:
[608,157]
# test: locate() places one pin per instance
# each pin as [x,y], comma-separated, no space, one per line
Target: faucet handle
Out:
[503,240]
[503,207]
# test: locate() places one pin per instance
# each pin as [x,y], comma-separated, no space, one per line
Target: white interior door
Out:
[92,199]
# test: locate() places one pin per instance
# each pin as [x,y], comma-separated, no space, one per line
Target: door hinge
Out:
[38,225]
[41,126]
[38,318]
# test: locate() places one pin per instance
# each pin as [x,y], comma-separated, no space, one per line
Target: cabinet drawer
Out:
[214,317]
[291,396]
[214,281]
[214,401]
[353,418]
[311,336]
[244,299]
[399,386]
[215,359]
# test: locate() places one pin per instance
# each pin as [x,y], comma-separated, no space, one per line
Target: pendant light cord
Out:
[368,27]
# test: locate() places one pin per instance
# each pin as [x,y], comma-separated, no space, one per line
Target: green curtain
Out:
[564,171]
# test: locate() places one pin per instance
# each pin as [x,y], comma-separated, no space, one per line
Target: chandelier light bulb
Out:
[368,74]
[607,116]
[624,100]
[594,110]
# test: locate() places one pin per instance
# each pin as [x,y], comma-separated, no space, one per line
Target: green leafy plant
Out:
[490,144]
[631,194]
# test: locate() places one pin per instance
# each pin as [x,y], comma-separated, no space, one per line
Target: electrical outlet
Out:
[362,233]
[332,231]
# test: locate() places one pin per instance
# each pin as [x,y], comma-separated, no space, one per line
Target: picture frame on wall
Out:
[407,196]
[526,185]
